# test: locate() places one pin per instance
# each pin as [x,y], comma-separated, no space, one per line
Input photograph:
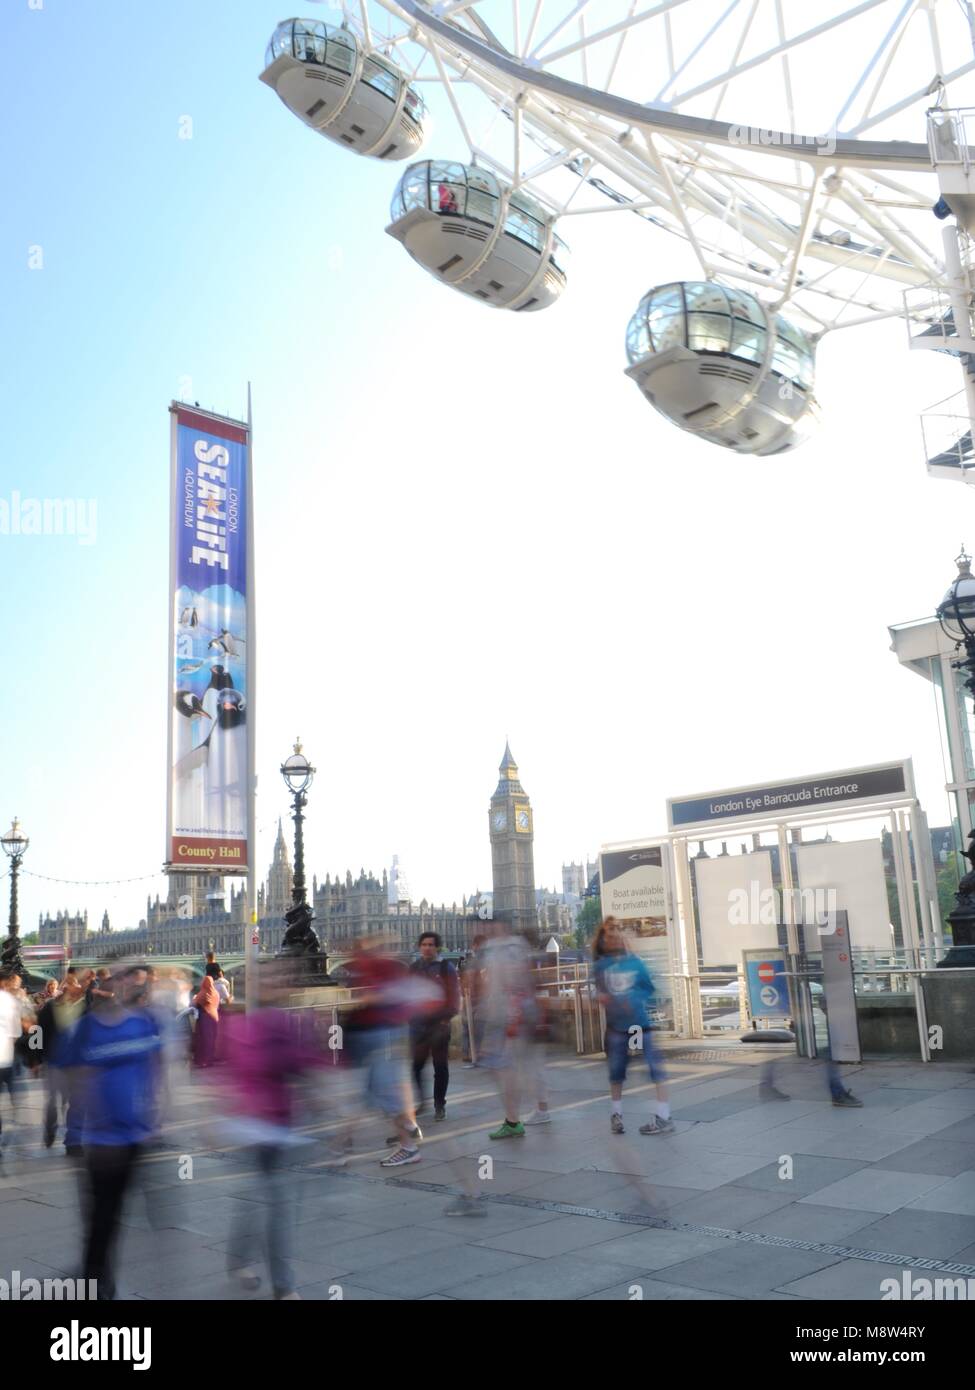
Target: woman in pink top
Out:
[207,1000]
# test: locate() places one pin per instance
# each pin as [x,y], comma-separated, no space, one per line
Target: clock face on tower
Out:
[499,820]
[522,818]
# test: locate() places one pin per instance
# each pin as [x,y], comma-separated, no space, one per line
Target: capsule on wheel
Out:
[489,241]
[718,364]
[358,98]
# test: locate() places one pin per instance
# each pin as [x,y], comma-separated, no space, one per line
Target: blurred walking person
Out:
[114,1051]
[472,986]
[430,1029]
[267,1059]
[376,1040]
[507,1010]
[55,1020]
[10,1030]
[624,987]
[538,1035]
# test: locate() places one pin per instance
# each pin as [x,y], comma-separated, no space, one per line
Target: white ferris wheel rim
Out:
[891,154]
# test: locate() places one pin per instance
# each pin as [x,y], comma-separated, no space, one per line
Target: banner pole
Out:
[171,651]
[250,928]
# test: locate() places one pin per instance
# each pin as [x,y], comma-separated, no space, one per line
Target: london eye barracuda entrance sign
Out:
[883,783]
[210,655]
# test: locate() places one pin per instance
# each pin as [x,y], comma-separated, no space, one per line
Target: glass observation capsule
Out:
[332,82]
[480,237]
[718,364]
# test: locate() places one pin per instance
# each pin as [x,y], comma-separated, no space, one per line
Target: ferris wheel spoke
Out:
[676,202]
[364,17]
[784,46]
[892,42]
[698,48]
[617,51]
[623,26]
[919,94]
[739,48]
[922,255]
[579,9]
[530,36]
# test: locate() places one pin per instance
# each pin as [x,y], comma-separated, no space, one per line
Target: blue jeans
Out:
[634,1043]
[382,1054]
[279,1213]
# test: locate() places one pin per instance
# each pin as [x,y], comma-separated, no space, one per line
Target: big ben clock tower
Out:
[512,859]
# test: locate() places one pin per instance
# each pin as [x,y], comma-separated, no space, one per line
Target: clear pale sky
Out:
[469,525]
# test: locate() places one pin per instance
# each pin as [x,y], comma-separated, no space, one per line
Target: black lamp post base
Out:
[10,957]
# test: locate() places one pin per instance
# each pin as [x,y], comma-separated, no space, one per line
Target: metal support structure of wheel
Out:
[804,154]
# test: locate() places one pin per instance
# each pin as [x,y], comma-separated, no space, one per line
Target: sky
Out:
[470,526]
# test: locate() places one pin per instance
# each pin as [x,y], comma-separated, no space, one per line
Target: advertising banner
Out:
[736,906]
[209,776]
[853,871]
[633,888]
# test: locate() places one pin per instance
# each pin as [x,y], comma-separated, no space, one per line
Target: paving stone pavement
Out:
[747,1200]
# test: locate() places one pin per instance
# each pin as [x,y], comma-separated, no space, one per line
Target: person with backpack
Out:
[430,1030]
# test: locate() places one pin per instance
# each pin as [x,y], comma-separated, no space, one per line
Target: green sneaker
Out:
[507,1131]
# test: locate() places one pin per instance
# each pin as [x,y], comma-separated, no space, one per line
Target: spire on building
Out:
[397,888]
[280,846]
[509,774]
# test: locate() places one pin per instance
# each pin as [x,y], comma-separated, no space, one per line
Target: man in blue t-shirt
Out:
[625,990]
[115,1054]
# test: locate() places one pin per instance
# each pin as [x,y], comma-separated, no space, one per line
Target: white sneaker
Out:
[538,1117]
[400,1158]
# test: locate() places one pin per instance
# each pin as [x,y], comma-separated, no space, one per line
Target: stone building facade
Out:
[65,929]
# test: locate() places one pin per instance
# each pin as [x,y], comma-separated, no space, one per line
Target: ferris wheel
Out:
[817,162]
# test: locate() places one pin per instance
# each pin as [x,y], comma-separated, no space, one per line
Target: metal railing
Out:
[948,137]
[948,444]
[929,317]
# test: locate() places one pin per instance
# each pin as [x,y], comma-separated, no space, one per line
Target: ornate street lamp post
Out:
[300,938]
[956,614]
[298,774]
[15,844]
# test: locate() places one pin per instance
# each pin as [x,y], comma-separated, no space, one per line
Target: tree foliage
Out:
[590,915]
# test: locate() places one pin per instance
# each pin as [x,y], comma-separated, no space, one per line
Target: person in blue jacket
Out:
[625,990]
[115,1055]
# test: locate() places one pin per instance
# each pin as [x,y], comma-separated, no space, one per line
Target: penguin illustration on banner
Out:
[191,705]
[210,780]
[224,642]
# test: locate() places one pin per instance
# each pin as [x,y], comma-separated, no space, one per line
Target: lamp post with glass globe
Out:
[956,614]
[15,844]
[298,774]
[300,938]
